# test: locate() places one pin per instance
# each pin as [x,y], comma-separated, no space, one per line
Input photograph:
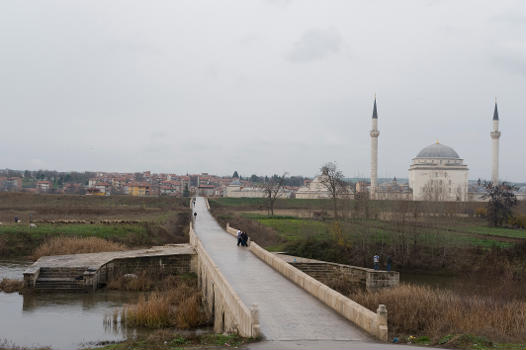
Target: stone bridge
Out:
[247,290]
[274,297]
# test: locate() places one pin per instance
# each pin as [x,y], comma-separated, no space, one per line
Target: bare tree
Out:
[435,190]
[272,187]
[332,180]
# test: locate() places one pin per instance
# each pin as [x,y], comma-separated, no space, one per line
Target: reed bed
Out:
[76,245]
[174,302]
[421,310]
[146,282]
[8,285]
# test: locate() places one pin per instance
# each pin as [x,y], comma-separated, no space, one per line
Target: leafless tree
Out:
[332,180]
[273,186]
[435,190]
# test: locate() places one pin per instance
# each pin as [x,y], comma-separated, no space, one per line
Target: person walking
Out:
[376,261]
[244,239]
[239,238]
[195,215]
[389,263]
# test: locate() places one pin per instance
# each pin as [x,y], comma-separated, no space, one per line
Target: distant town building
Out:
[44,186]
[314,189]
[139,189]
[237,190]
[393,191]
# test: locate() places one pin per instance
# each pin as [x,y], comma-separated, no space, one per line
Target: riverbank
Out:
[171,340]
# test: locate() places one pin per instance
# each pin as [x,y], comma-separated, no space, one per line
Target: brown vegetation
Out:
[76,245]
[178,306]
[419,310]
[8,285]
[146,282]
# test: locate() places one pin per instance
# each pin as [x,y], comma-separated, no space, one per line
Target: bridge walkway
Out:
[286,312]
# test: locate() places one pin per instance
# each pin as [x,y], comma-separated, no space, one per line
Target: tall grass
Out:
[421,310]
[76,245]
[9,285]
[146,282]
[176,302]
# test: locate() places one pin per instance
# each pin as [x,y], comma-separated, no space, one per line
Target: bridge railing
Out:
[373,323]
[230,313]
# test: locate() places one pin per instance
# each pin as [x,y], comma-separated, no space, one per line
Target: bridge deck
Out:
[286,311]
[96,260]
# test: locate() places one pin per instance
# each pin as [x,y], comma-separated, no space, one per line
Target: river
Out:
[58,320]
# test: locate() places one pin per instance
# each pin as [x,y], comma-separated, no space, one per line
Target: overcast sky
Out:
[259,86]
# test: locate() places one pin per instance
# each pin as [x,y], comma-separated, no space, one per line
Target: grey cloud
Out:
[511,64]
[249,40]
[281,3]
[315,44]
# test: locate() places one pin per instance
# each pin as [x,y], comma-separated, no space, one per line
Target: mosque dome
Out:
[438,150]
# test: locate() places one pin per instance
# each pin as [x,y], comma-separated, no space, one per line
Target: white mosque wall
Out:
[439,184]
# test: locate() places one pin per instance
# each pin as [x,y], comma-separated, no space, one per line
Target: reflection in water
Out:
[58,320]
[62,320]
[82,301]
[13,269]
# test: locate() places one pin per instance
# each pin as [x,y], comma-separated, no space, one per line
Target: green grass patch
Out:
[21,240]
[166,340]
[495,231]
[281,203]
[293,228]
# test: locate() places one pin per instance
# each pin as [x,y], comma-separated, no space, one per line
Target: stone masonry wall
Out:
[153,265]
[362,278]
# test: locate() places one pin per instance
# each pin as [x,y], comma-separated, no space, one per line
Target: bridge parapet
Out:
[373,323]
[230,314]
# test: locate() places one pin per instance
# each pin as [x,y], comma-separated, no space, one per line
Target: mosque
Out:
[436,173]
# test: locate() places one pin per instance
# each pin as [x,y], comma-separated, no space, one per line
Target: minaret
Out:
[374,150]
[495,135]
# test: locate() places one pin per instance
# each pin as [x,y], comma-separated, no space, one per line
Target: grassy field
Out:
[260,203]
[416,235]
[135,221]
[291,229]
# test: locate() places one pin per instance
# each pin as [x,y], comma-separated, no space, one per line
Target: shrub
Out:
[481,212]
[76,245]
[517,221]
[435,312]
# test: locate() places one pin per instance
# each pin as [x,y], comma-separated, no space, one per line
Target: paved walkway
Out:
[96,260]
[286,312]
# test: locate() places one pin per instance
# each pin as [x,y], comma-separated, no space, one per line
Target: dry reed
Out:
[177,304]
[9,285]
[421,310]
[76,245]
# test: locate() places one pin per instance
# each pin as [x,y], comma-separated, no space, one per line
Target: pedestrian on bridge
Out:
[376,261]
[195,215]
[239,238]
[244,239]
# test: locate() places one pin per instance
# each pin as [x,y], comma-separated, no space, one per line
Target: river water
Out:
[58,320]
